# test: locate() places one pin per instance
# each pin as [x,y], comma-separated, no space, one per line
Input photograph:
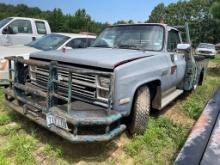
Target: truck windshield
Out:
[138,37]
[49,42]
[4,21]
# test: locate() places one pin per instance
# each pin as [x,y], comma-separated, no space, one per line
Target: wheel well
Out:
[154,93]
[153,87]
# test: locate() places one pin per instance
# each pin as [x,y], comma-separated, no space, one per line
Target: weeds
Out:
[6,117]
[9,129]
[3,160]
[194,104]
[20,148]
[163,137]
[52,151]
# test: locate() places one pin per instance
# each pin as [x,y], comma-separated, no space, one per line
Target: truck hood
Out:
[17,50]
[97,57]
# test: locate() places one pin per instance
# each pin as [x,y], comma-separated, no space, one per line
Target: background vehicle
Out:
[21,30]
[83,94]
[54,41]
[206,49]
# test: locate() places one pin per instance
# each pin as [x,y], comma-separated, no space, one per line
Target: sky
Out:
[100,10]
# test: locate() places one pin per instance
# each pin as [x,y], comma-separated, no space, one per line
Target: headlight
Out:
[103,88]
[104,82]
[3,64]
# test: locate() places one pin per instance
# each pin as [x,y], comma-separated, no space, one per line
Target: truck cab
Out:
[127,72]
[21,30]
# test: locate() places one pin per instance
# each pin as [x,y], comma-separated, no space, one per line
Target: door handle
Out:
[33,38]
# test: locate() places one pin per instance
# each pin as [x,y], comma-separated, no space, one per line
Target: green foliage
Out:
[216,60]
[124,22]
[6,117]
[9,129]
[203,28]
[80,21]
[3,160]
[215,9]
[52,151]
[20,147]
[157,15]
[162,139]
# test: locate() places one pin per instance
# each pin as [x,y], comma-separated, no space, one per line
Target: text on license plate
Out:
[56,120]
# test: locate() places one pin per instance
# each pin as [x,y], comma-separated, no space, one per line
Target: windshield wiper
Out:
[127,47]
[101,46]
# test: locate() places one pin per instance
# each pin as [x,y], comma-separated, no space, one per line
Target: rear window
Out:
[41,28]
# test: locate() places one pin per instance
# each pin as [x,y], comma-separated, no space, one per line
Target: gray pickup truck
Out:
[94,94]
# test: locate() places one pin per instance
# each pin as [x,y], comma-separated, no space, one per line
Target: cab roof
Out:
[27,18]
[142,24]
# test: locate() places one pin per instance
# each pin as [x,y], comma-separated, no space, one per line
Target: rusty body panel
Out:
[203,143]
[81,117]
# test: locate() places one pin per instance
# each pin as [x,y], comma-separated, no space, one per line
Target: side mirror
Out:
[183,47]
[8,30]
[5,31]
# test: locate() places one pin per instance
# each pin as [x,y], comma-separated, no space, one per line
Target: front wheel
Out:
[141,111]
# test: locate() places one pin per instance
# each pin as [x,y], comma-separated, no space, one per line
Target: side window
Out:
[41,28]
[77,43]
[173,40]
[90,41]
[20,26]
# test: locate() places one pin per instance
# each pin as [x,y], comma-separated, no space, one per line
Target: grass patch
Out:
[194,104]
[6,117]
[3,160]
[160,142]
[52,151]
[9,129]
[217,59]
[20,148]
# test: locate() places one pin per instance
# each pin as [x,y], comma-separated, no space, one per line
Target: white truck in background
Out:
[21,30]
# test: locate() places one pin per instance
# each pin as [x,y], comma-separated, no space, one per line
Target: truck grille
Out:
[82,85]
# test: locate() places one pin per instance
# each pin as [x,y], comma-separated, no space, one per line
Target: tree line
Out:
[203,17]
[198,13]
[59,22]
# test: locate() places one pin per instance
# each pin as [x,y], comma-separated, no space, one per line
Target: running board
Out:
[166,100]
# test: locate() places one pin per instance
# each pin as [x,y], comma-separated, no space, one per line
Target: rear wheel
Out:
[141,111]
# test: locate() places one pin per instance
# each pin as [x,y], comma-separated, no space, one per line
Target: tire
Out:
[141,111]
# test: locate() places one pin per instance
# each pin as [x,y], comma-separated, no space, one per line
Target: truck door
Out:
[20,32]
[178,62]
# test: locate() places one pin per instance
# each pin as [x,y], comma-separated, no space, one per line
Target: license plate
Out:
[57,121]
